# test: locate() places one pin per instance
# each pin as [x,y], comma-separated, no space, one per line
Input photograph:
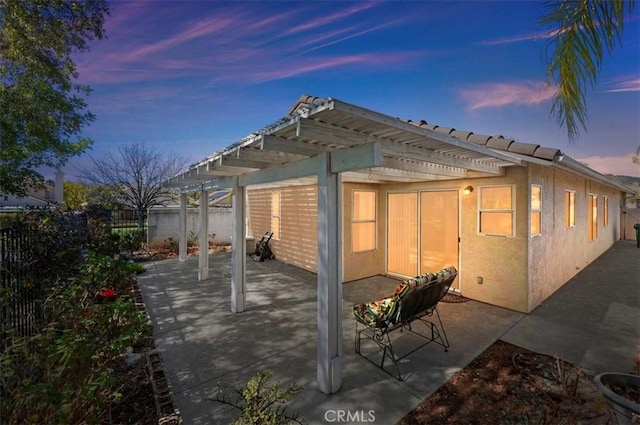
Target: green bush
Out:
[260,403]
[63,374]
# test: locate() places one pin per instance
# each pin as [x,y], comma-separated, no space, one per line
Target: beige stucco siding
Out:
[559,253]
[500,261]
[362,264]
[297,244]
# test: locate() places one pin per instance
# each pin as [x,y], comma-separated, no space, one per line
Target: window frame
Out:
[276,234]
[605,210]
[592,222]
[511,211]
[569,220]
[359,221]
[535,210]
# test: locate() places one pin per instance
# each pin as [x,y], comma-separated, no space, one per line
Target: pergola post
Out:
[182,229]
[203,237]
[238,249]
[329,324]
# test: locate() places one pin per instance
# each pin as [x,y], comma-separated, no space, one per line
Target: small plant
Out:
[260,403]
[172,245]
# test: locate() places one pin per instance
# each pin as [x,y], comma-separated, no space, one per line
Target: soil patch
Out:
[508,385]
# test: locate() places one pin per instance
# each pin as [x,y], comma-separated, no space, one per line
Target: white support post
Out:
[238,250]
[182,229]
[329,278]
[203,237]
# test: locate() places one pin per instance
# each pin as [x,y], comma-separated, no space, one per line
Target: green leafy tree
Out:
[75,195]
[134,176]
[42,108]
[581,33]
[103,196]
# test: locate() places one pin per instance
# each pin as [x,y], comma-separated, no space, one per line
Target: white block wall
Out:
[163,224]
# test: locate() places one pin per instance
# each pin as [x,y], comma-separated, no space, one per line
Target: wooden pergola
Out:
[327,142]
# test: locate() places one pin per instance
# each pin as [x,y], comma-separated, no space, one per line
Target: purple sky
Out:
[193,77]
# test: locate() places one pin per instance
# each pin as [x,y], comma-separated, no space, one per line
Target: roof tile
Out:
[546,153]
[445,130]
[479,139]
[500,143]
[523,148]
[464,135]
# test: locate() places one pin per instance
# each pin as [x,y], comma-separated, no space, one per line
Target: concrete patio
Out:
[593,321]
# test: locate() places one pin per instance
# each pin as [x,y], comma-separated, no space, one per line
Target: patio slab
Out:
[593,321]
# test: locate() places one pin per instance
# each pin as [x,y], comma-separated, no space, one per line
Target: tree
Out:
[42,108]
[75,195]
[581,31]
[135,176]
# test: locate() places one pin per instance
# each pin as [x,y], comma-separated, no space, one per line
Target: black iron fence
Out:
[40,249]
[125,222]
[21,292]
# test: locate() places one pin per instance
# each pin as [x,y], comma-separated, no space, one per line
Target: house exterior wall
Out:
[559,253]
[297,243]
[362,264]
[501,262]
[517,272]
[163,223]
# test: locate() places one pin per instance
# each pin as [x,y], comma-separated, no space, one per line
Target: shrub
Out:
[260,403]
[63,373]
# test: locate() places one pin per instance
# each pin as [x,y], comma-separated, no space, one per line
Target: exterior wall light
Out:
[467,190]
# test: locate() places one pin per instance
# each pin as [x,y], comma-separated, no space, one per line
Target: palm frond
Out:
[581,31]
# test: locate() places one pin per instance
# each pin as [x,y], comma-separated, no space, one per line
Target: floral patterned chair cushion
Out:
[384,311]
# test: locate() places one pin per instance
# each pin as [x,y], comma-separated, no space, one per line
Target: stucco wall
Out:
[297,244]
[164,223]
[500,261]
[362,264]
[559,253]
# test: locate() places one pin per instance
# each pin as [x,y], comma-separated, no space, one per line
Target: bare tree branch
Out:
[135,175]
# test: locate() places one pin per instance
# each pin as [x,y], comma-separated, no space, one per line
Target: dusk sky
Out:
[193,77]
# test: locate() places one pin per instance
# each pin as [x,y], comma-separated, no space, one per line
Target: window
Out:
[496,212]
[592,216]
[275,214]
[569,208]
[605,211]
[536,210]
[363,221]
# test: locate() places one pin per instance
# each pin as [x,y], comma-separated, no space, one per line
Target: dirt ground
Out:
[510,385]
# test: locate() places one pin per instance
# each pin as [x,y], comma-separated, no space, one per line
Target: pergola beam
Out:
[232,161]
[203,236]
[329,286]
[379,118]
[424,168]
[280,144]
[270,157]
[316,130]
[238,249]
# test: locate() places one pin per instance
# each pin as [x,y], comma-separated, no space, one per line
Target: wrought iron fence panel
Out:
[21,291]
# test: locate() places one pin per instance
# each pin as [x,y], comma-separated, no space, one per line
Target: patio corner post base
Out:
[182,229]
[238,250]
[329,324]
[203,237]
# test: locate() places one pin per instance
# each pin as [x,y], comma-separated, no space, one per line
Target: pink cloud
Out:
[495,95]
[619,165]
[518,38]
[325,20]
[295,67]
[350,36]
[629,83]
